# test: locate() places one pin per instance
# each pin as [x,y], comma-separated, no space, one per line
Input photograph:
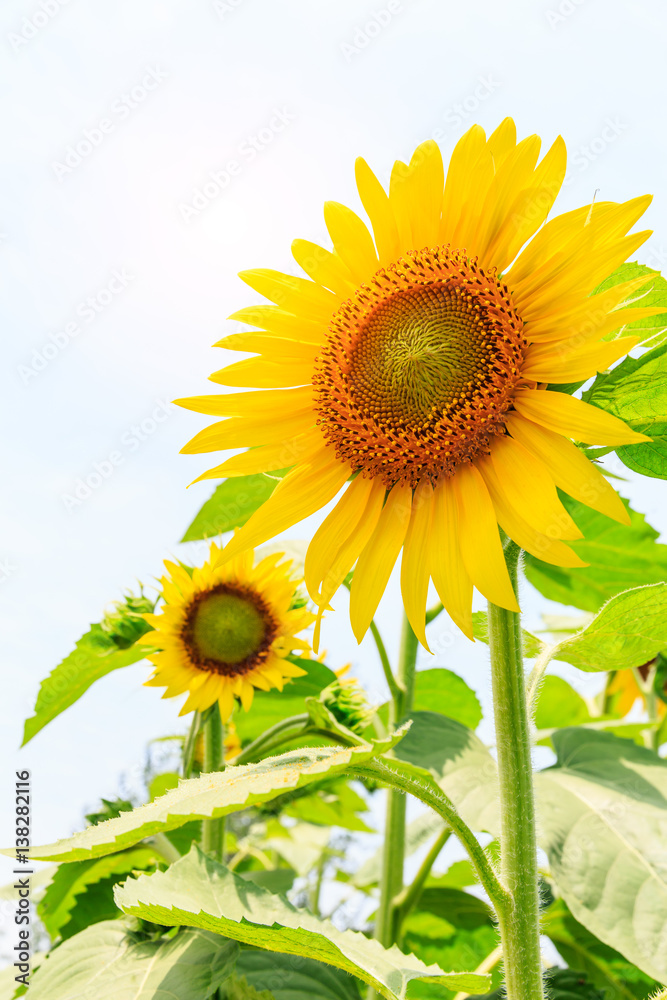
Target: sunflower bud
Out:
[124,622]
[346,700]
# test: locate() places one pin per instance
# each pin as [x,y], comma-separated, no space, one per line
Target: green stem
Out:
[519,923]
[433,612]
[273,738]
[410,895]
[391,880]
[191,744]
[394,689]
[213,830]
[647,688]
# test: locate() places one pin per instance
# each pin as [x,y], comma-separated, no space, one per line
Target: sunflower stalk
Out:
[519,922]
[391,881]
[213,830]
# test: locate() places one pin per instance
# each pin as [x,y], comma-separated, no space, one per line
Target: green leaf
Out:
[629,631]
[70,881]
[460,763]
[211,796]
[559,705]
[232,504]
[104,963]
[532,646]
[602,820]
[278,880]
[273,706]
[335,804]
[433,938]
[94,656]
[292,977]
[620,557]
[604,967]
[240,989]
[636,391]
[441,690]
[162,783]
[421,830]
[651,329]
[199,892]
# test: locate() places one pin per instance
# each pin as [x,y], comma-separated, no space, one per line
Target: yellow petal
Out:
[248,404]
[469,174]
[226,702]
[501,142]
[265,374]
[449,574]
[428,180]
[569,467]
[269,457]
[378,558]
[281,323]
[296,295]
[530,207]
[530,489]
[572,417]
[267,344]
[324,267]
[376,203]
[352,241]
[247,696]
[302,492]
[415,565]
[548,363]
[333,532]
[548,549]
[240,432]
[507,184]
[590,315]
[400,199]
[479,538]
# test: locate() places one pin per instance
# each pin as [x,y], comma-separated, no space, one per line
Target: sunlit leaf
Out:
[602,821]
[232,504]
[198,892]
[651,329]
[103,962]
[441,690]
[292,977]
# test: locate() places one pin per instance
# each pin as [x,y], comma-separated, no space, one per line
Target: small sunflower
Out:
[225,630]
[417,368]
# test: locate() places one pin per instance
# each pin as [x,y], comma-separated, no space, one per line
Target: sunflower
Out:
[418,371]
[225,630]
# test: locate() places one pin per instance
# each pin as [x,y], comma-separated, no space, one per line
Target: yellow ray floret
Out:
[226,629]
[413,371]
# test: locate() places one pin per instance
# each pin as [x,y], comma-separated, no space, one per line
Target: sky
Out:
[151,151]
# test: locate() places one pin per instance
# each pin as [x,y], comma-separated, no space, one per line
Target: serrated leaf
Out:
[239,989]
[636,391]
[460,763]
[532,646]
[619,556]
[292,977]
[603,966]
[198,892]
[233,502]
[602,821]
[69,881]
[651,329]
[629,631]
[211,796]
[441,690]
[104,963]
[94,656]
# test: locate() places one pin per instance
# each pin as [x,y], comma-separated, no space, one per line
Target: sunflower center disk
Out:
[227,631]
[420,368]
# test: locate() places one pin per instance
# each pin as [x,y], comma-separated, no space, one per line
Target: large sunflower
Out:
[421,361]
[226,630]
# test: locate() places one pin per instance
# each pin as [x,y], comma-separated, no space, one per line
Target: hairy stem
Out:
[519,922]
[391,881]
[271,739]
[213,830]
[191,744]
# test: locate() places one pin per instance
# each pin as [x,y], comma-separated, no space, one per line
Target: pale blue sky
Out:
[163,93]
